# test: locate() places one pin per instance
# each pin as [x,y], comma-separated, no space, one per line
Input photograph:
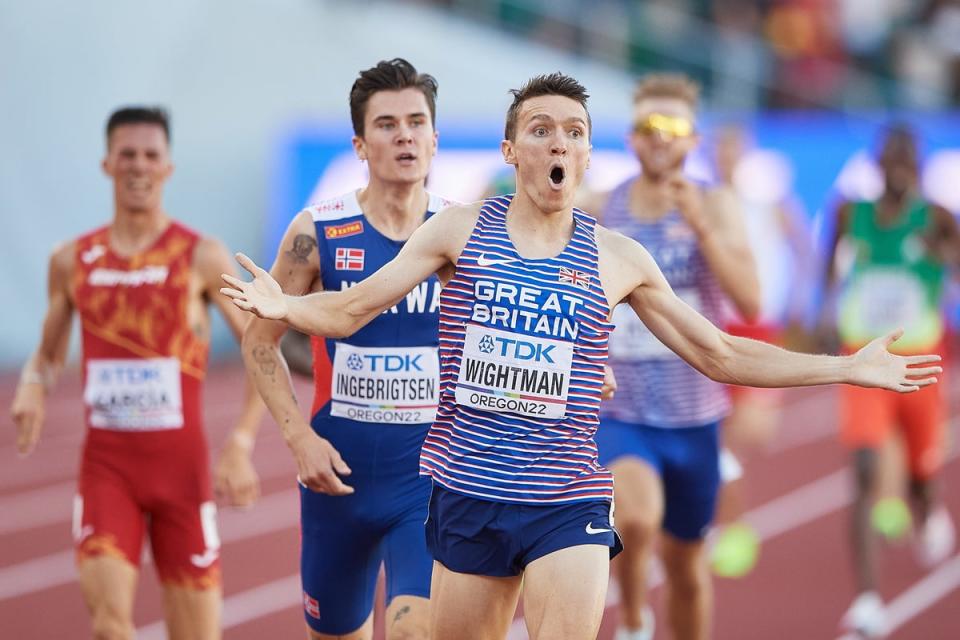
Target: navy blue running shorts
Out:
[687,460]
[483,537]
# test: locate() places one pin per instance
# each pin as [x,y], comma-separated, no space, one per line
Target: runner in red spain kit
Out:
[140,285]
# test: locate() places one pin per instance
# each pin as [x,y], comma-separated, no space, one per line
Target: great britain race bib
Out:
[515,373]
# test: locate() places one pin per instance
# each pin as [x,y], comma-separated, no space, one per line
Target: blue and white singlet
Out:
[387,372]
[522,348]
[655,387]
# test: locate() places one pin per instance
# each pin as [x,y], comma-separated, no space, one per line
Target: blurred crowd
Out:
[761,53]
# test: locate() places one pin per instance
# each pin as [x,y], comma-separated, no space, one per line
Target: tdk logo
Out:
[517,349]
[129,375]
[390,363]
[354,362]
[486,344]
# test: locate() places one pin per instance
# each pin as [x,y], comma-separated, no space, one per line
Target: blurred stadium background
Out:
[258,89]
[258,94]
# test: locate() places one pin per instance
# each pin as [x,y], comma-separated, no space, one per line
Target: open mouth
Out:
[557,175]
[406,157]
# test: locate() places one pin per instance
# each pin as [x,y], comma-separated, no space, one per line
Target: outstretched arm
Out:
[629,271]
[432,248]
[43,368]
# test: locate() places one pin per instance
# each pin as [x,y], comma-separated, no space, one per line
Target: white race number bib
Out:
[385,384]
[514,373]
[134,394]
[888,300]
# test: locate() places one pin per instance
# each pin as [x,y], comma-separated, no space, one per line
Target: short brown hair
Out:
[389,75]
[139,115]
[668,85]
[552,84]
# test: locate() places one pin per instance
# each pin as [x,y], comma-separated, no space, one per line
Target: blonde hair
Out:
[668,85]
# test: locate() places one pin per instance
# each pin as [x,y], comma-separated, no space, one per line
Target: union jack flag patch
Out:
[349,259]
[577,278]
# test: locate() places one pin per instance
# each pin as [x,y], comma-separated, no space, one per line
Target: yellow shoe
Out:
[735,551]
[890,517]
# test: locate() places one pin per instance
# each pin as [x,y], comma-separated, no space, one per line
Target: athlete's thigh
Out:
[466,606]
[186,543]
[107,520]
[408,565]
[407,561]
[691,481]
[630,453]
[867,416]
[638,495]
[340,557]
[564,593]
[683,558]
[922,419]
[109,585]
[408,618]
[192,613]
[186,551]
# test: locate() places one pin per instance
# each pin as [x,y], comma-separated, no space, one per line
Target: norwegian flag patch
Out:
[578,278]
[311,606]
[349,259]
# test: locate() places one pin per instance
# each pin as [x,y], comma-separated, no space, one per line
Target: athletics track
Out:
[797,495]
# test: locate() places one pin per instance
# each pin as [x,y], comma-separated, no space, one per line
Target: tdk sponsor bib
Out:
[504,371]
[134,394]
[388,371]
[385,384]
[522,348]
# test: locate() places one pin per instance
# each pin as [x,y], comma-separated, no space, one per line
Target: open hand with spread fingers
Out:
[263,296]
[875,366]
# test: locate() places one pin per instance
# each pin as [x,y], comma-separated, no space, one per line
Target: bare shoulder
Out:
[451,227]
[209,251]
[299,244]
[211,258]
[613,245]
[458,216]
[624,264]
[943,215]
[302,223]
[844,211]
[62,258]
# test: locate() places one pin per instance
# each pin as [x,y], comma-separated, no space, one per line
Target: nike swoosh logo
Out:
[593,531]
[484,261]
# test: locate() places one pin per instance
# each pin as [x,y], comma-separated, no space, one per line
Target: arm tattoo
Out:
[303,245]
[403,611]
[266,360]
